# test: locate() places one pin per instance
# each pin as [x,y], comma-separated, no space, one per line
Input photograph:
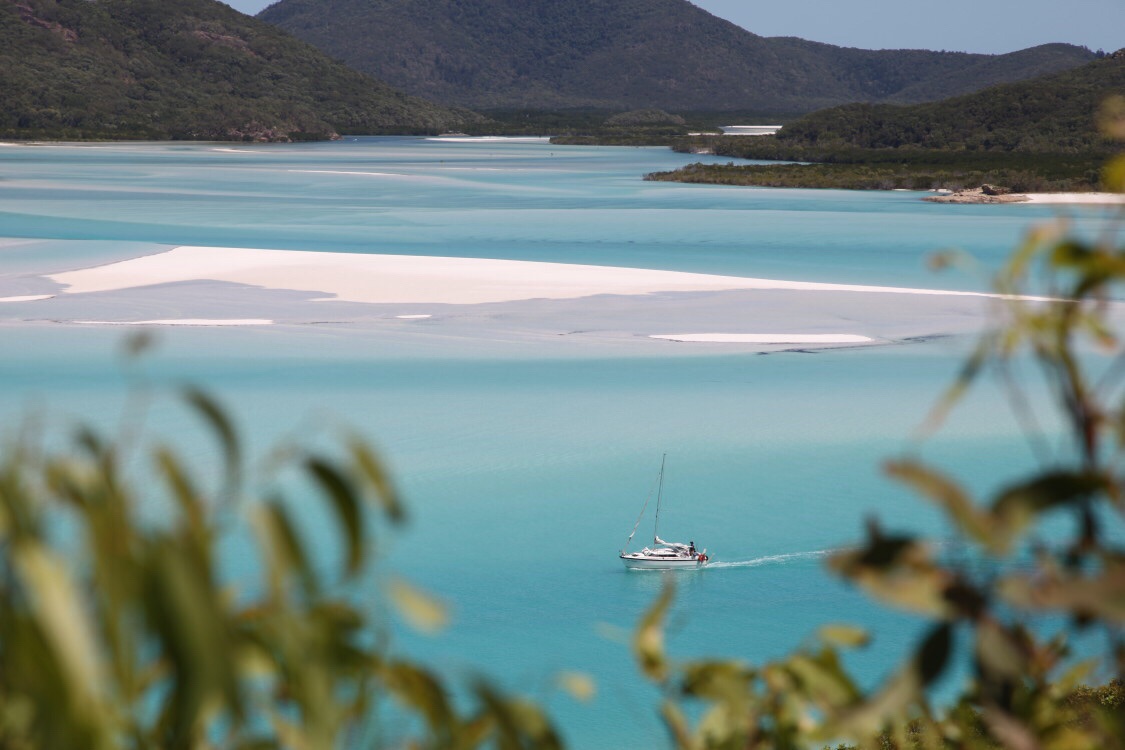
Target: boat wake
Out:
[789,557]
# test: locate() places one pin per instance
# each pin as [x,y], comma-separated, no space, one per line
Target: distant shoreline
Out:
[979,196]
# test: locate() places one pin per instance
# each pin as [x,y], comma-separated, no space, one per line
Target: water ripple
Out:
[788,557]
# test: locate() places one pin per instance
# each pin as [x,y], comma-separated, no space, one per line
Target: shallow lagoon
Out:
[525,466]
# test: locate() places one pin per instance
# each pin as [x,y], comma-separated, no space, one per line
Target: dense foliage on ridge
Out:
[1033,136]
[1051,113]
[1058,174]
[628,54]
[193,69]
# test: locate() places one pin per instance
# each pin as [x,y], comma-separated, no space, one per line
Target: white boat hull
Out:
[656,563]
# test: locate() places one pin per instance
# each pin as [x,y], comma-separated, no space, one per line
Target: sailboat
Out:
[662,555]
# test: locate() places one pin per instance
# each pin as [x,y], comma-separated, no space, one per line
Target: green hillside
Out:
[1039,135]
[1054,113]
[187,69]
[627,54]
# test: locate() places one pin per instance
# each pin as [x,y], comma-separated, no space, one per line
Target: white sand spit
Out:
[405,279]
[182,322]
[1074,198]
[767,338]
[489,138]
[348,171]
[27,298]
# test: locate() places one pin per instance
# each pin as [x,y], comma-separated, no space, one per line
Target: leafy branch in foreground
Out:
[1025,690]
[118,630]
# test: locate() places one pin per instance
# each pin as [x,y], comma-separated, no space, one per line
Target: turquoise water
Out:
[528,201]
[524,473]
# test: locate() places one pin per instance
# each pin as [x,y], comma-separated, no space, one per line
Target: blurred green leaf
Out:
[1111,119]
[933,656]
[998,651]
[62,616]
[898,570]
[91,443]
[1113,176]
[186,611]
[920,590]
[417,687]
[648,641]
[519,724]
[347,504]
[420,609]
[970,370]
[1099,595]
[716,680]
[580,686]
[947,494]
[823,680]
[183,490]
[373,470]
[215,418]
[278,534]
[677,725]
[847,636]
[1017,506]
[138,343]
[884,708]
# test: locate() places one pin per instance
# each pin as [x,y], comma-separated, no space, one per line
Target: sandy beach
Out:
[408,279]
[441,303]
[1108,199]
[26,298]
[765,338]
[181,322]
[978,195]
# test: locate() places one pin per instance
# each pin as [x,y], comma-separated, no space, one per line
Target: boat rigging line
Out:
[659,489]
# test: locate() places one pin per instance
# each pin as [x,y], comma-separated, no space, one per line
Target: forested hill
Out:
[628,54]
[1033,136]
[183,69]
[1054,113]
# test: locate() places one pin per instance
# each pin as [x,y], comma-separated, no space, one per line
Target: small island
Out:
[982,194]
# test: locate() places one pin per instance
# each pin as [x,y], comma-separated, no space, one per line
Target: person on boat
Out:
[691,549]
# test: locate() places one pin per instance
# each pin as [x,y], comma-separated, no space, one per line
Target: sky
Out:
[991,26]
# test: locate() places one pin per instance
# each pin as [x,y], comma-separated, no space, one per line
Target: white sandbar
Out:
[1064,198]
[27,298]
[489,138]
[405,279]
[767,338]
[347,172]
[182,322]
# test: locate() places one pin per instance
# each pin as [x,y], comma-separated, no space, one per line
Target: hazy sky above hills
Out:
[961,25]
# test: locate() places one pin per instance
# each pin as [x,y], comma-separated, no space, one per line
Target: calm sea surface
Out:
[524,474]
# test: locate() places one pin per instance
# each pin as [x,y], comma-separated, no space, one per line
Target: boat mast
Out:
[643,509]
[659,492]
